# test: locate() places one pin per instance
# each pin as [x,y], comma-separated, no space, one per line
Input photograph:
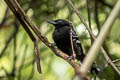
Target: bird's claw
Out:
[53,44]
[79,62]
[72,57]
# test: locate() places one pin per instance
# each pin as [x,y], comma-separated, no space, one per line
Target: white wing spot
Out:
[77,41]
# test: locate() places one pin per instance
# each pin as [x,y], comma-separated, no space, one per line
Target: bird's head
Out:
[59,23]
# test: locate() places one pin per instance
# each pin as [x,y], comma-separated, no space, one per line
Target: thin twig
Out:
[93,52]
[73,51]
[90,32]
[14,7]
[37,56]
[31,25]
[114,61]
[110,61]
[80,17]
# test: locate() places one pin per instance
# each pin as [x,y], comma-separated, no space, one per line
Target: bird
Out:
[68,41]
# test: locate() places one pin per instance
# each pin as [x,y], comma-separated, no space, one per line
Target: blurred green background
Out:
[17,60]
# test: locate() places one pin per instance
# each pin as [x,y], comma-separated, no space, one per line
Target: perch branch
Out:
[16,8]
[71,40]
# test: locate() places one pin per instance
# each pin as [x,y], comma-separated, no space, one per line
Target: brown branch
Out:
[37,57]
[16,8]
[91,33]
[114,61]
[109,60]
[80,17]
[73,51]
[117,60]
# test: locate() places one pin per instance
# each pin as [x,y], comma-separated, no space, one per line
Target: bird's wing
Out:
[76,42]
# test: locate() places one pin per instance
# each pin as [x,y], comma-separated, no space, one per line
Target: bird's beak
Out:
[52,22]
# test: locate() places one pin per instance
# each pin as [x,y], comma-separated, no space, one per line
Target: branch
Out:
[90,32]
[114,61]
[93,52]
[17,9]
[71,40]
[13,5]
[80,17]
[37,56]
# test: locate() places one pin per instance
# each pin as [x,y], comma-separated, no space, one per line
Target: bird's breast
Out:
[61,35]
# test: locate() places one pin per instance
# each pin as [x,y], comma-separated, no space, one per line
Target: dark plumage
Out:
[61,37]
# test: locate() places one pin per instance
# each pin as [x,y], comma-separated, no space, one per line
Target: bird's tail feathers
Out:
[95,69]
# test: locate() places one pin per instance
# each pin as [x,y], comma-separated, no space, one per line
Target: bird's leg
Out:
[73,56]
[53,44]
[79,62]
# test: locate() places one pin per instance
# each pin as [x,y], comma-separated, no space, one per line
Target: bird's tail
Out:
[95,69]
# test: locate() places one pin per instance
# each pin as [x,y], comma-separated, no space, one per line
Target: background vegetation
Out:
[17,60]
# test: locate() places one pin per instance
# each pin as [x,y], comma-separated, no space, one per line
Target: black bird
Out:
[62,39]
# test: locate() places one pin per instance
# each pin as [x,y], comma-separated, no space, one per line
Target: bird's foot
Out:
[53,44]
[72,57]
[79,62]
